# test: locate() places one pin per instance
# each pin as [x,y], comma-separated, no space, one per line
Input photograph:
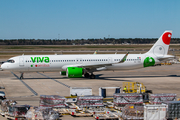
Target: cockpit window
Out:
[10,61]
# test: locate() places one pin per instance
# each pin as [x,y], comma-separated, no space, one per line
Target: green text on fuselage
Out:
[40,59]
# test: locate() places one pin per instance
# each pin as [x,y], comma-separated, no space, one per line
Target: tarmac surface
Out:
[159,79]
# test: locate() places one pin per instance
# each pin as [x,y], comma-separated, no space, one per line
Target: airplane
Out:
[74,66]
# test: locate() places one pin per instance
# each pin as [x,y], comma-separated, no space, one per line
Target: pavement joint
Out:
[35,93]
[54,80]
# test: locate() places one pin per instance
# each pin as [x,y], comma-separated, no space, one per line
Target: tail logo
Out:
[166,38]
[149,61]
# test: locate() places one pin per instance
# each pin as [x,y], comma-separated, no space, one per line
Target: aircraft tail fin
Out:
[160,48]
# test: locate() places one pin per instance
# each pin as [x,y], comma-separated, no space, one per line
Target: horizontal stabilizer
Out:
[166,58]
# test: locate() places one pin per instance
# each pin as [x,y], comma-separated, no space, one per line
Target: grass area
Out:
[75,47]
[31,47]
[14,50]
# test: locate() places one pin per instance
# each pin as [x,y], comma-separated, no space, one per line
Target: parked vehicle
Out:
[2,95]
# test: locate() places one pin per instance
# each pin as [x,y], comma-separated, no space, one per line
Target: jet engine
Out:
[73,72]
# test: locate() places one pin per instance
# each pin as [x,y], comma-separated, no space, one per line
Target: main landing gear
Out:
[22,76]
[86,75]
[92,76]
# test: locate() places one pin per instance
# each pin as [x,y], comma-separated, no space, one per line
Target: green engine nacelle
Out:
[74,72]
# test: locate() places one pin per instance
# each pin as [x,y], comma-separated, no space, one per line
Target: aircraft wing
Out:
[103,65]
[93,66]
[166,58]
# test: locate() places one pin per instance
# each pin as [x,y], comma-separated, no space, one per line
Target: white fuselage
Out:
[45,63]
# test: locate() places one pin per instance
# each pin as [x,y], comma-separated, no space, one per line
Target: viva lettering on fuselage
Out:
[40,59]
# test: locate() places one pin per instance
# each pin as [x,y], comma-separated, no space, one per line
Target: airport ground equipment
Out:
[131,104]
[80,113]
[42,113]
[135,87]
[109,115]
[54,101]
[146,112]
[166,63]
[155,112]
[121,99]
[90,101]
[17,112]
[133,112]
[6,104]
[102,91]
[71,99]
[80,91]
[173,110]
[161,98]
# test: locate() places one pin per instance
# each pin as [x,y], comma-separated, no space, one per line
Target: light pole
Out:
[58,36]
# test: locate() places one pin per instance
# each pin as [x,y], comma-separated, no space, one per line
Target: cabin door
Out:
[21,61]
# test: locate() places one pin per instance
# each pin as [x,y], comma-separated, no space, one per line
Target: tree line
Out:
[83,41]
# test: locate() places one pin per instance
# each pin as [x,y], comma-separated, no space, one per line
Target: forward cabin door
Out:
[21,61]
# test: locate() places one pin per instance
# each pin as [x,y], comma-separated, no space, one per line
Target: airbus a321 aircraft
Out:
[78,65]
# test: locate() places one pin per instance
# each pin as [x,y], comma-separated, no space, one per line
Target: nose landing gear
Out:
[22,76]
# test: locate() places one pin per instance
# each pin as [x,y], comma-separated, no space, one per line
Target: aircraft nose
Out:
[3,67]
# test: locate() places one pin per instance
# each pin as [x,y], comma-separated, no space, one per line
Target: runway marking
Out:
[35,93]
[54,80]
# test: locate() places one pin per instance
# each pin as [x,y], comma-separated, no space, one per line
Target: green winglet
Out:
[95,52]
[124,58]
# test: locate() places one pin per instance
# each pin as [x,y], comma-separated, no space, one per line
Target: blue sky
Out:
[77,19]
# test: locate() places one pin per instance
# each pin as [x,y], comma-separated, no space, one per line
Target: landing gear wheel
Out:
[92,76]
[86,75]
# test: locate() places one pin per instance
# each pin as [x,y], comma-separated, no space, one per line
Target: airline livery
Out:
[78,65]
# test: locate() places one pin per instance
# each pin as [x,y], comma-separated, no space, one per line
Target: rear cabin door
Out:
[21,61]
